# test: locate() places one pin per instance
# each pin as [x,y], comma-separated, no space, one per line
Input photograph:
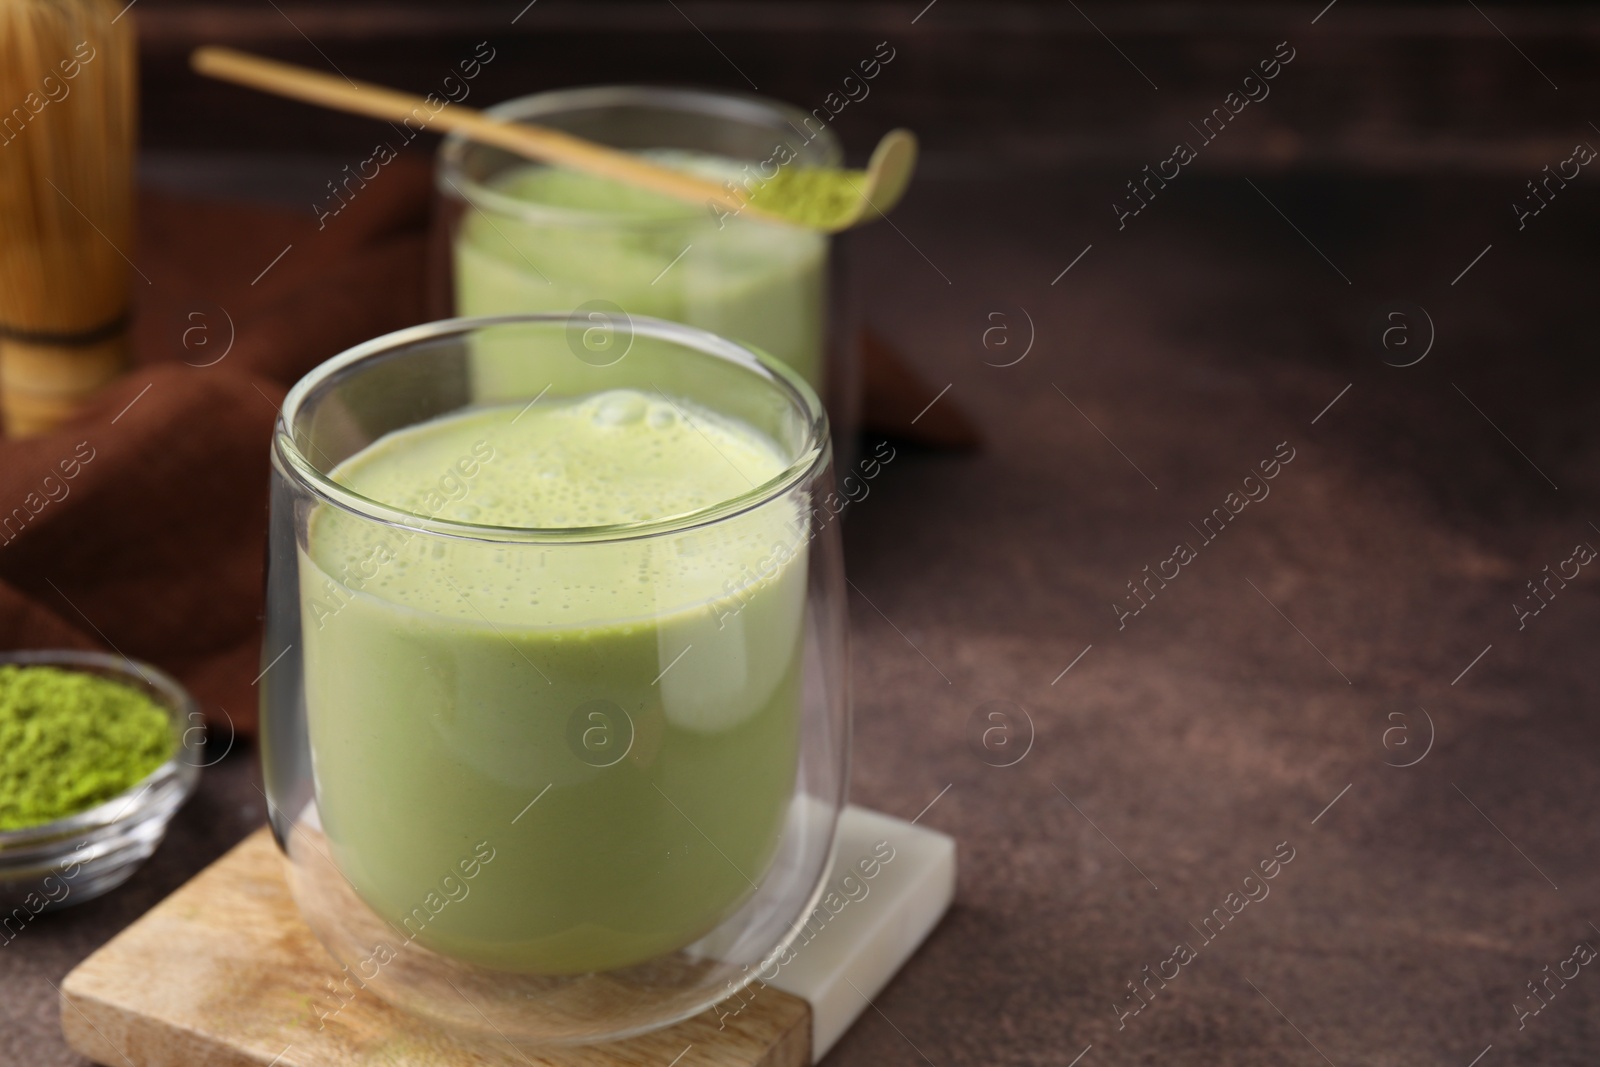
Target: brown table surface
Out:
[1247,704]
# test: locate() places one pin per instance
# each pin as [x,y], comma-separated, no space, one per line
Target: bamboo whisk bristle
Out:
[67,137]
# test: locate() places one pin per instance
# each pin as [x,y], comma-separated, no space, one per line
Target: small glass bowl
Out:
[82,856]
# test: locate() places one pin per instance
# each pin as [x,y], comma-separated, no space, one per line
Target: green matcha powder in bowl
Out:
[96,754]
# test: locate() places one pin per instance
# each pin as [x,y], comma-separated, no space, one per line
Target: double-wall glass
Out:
[566,783]
[526,237]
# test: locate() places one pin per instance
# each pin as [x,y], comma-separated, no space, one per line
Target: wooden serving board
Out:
[225,972]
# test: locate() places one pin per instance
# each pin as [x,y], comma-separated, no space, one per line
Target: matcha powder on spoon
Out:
[818,198]
[71,740]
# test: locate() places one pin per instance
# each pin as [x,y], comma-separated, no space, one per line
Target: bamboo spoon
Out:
[848,198]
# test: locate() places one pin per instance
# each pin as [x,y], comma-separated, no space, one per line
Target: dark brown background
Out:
[1213,727]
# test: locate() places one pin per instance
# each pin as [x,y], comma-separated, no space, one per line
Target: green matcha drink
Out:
[546,239]
[614,723]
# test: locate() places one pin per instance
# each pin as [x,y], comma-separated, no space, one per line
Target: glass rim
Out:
[813,455]
[451,178]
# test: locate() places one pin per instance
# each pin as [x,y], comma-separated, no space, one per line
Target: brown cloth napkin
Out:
[140,527]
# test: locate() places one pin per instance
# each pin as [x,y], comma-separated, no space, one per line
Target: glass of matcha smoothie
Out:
[528,237]
[555,718]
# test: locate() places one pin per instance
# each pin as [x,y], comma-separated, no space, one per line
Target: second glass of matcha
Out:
[527,237]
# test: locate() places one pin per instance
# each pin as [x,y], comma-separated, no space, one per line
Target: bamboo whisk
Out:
[67,136]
